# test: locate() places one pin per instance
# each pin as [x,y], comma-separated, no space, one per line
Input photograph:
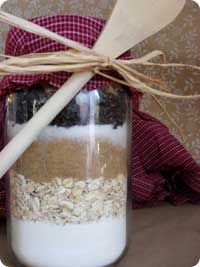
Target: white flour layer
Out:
[38,244]
[80,133]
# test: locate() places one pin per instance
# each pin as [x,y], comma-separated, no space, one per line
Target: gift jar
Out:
[68,191]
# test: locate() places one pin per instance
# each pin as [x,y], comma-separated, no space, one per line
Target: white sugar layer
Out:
[94,244]
[80,133]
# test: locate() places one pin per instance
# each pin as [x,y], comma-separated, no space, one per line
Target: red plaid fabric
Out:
[161,167]
[84,30]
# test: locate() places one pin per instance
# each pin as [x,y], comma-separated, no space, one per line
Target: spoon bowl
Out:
[133,21]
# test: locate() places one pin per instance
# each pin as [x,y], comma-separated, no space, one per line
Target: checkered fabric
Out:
[161,168]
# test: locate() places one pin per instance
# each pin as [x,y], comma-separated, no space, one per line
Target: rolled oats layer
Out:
[69,200]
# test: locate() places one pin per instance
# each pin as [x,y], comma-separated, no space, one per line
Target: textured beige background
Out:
[180,41]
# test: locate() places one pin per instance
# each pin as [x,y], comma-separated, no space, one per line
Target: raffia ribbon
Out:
[78,61]
[80,58]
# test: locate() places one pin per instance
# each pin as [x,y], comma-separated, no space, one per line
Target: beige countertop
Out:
[164,236]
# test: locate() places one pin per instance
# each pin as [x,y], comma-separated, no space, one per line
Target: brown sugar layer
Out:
[62,158]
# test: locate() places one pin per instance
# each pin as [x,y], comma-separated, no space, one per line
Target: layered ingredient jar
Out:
[68,191]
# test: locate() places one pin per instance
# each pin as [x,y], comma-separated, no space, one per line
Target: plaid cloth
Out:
[161,167]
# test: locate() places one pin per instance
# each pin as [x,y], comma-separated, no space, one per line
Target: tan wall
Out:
[180,41]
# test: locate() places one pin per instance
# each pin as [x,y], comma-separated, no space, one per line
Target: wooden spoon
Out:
[131,22]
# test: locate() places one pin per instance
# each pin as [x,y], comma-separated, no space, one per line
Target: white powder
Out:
[38,244]
[81,133]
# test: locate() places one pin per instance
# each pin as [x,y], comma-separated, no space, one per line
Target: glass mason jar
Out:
[68,191]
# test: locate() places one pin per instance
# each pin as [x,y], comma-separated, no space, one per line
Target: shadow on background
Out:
[4,256]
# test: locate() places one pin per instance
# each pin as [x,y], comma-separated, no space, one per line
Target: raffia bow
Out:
[77,61]
[81,58]
[85,59]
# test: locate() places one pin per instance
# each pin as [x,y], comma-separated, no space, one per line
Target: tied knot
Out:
[108,62]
